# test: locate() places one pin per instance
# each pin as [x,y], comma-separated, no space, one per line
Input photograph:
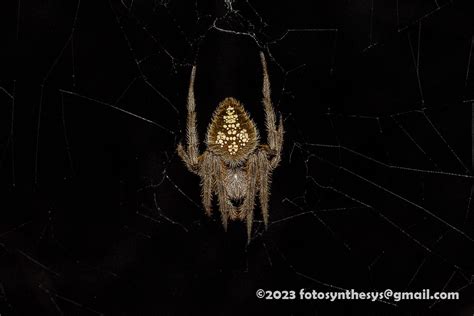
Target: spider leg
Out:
[209,166]
[224,208]
[274,130]
[263,176]
[249,202]
[190,154]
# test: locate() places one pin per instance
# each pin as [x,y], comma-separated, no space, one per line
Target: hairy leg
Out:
[208,171]
[224,207]
[190,155]
[249,203]
[264,184]
[274,130]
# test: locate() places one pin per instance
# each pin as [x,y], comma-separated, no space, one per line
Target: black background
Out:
[99,216]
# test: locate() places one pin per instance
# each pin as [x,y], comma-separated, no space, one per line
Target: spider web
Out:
[374,189]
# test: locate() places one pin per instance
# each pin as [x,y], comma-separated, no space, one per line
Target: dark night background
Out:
[99,216]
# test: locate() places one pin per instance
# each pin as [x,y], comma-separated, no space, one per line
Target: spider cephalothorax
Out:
[235,167]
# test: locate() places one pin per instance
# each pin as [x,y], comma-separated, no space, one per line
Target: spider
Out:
[234,167]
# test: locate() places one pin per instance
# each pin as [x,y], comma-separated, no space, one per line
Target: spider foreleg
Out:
[190,153]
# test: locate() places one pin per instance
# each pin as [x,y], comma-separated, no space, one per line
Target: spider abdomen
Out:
[232,133]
